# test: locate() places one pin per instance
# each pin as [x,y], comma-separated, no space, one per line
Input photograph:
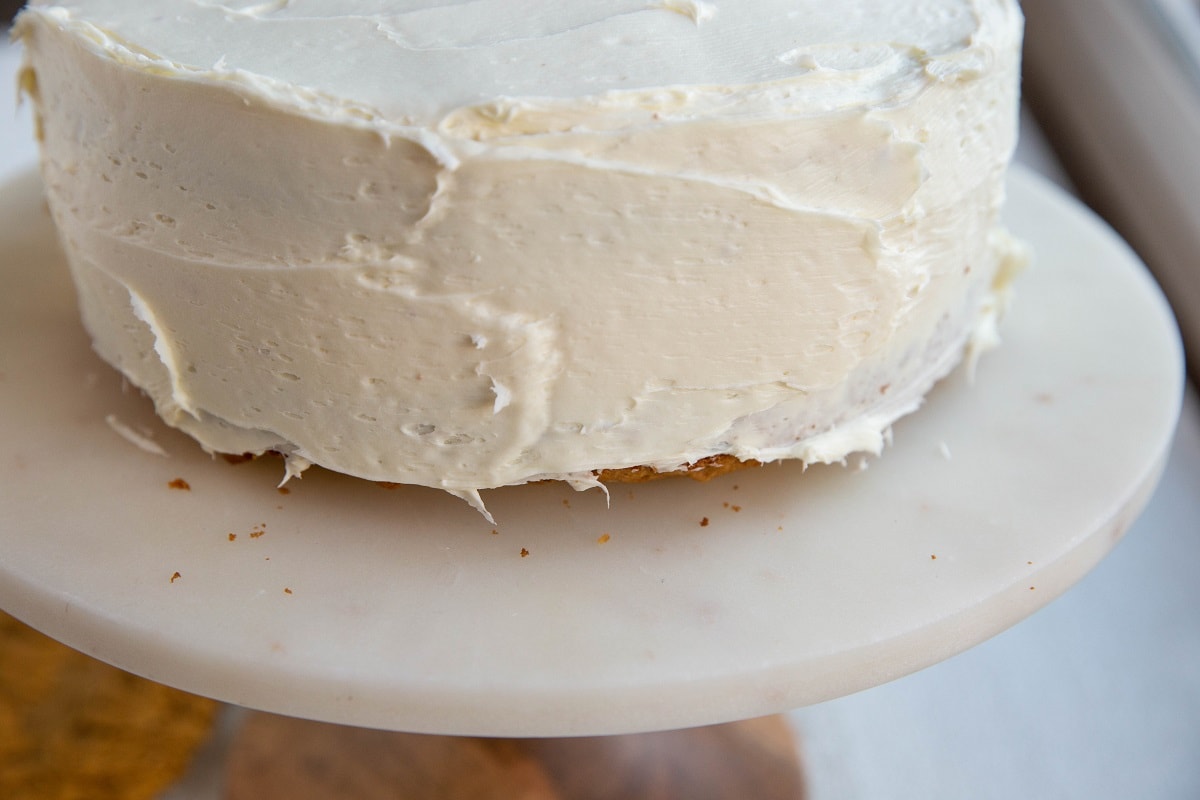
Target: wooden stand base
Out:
[281,757]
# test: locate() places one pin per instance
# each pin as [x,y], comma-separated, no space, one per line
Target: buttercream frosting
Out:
[473,244]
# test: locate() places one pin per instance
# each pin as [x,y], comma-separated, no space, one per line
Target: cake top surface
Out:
[415,61]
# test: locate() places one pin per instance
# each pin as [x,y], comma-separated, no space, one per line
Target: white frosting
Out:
[139,440]
[473,244]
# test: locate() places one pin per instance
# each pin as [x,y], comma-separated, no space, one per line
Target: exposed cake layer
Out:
[437,244]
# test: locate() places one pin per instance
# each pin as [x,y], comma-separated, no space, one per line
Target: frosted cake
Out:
[468,245]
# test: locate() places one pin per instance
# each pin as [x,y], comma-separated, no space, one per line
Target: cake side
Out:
[536,287]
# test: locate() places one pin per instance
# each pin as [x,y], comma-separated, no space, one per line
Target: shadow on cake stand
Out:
[682,606]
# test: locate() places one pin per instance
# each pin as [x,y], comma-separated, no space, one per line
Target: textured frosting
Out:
[472,244]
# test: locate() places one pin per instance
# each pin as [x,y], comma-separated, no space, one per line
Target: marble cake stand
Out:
[681,605]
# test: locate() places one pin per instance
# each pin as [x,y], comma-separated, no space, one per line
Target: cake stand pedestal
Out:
[275,757]
[680,605]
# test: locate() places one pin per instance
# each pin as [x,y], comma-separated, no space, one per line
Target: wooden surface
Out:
[281,757]
[72,728]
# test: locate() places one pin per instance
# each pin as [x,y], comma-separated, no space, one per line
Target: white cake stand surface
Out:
[682,604]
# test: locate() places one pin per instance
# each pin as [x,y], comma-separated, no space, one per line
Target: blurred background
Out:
[1098,695]
[1115,85]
